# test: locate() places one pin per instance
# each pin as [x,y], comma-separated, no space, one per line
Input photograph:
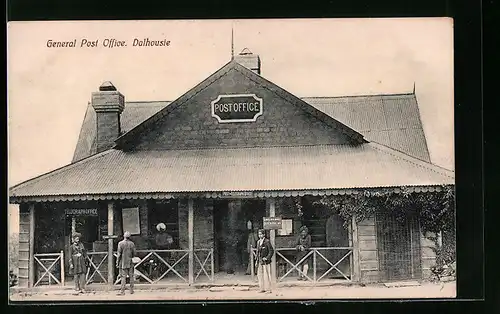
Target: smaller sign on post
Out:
[272,223]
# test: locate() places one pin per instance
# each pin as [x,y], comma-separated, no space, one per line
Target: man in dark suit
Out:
[126,251]
[265,252]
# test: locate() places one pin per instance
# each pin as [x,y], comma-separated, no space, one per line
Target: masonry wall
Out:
[282,123]
[203,224]
[203,231]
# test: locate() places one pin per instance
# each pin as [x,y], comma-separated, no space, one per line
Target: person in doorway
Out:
[78,262]
[265,252]
[126,252]
[163,241]
[251,243]
[303,245]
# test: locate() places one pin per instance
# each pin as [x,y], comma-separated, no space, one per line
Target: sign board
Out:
[81,211]
[270,223]
[237,194]
[106,237]
[131,222]
[237,108]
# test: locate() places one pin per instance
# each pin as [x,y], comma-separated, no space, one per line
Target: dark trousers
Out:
[79,281]
[123,274]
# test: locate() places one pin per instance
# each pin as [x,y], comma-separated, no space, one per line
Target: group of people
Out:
[78,262]
[126,257]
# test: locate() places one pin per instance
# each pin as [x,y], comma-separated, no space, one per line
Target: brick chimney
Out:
[108,104]
[249,60]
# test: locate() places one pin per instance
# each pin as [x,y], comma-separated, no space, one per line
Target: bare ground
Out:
[425,290]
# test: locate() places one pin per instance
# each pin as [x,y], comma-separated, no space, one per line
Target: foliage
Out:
[12,278]
[435,211]
[13,258]
[14,252]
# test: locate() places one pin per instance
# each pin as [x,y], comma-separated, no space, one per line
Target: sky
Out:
[49,88]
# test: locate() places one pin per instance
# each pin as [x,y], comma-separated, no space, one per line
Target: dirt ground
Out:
[426,290]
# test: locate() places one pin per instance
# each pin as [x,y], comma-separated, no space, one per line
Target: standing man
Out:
[265,252]
[78,262]
[126,251]
[303,244]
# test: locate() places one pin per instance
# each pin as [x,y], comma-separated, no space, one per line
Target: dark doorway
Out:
[231,233]
[220,228]
[337,236]
[87,226]
[398,241]
[166,212]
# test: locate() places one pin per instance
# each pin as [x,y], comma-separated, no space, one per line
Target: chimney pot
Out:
[107,86]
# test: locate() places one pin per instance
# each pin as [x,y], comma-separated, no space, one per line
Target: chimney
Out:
[108,104]
[249,60]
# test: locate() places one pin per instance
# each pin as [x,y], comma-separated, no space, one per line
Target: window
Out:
[286,227]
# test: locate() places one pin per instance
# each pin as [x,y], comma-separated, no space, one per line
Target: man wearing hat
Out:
[126,252]
[302,245]
[163,240]
[78,262]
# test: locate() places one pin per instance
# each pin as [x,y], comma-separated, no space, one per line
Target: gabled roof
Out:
[129,137]
[391,120]
[302,168]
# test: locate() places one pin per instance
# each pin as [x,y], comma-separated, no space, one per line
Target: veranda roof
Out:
[281,170]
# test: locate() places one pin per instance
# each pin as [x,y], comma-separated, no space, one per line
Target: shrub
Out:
[13,258]
[14,252]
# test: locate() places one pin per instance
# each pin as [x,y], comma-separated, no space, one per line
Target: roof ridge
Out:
[204,84]
[80,133]
[177,102]
[350,132]
[146,101]
[353,96]
[62,168]
[413,160]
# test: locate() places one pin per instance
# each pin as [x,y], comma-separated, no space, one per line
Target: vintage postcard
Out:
[302,159]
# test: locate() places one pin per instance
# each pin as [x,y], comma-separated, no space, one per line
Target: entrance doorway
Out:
[398,242]
[231,219]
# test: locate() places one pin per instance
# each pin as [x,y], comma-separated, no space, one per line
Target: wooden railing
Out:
[198,255]
[317,254]
[159,264]
[96,261]
[51,272]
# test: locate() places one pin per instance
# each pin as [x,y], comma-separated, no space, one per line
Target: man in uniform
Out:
[126,251]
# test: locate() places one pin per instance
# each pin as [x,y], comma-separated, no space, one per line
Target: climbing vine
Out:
[435,211]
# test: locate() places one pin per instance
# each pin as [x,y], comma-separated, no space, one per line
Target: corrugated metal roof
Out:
[391,120]
[134,113]
[243,169]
